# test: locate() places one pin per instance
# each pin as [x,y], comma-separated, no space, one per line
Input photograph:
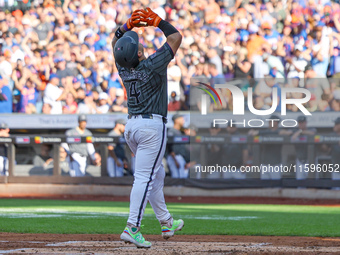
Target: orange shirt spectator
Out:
[255,45]
[211,11]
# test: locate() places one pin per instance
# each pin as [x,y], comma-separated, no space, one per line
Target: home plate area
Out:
[178,245]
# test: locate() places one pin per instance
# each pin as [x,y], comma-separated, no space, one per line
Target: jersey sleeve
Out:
[161,58]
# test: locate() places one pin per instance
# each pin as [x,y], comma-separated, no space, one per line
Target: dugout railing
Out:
[254,181]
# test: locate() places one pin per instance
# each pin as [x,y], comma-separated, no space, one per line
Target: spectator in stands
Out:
[216,77]
[5,65]
[242,67]
[78,38]
[265,90]
[216,60]
[174,77]
[316,84]
[4,132]
[297,64]
[271,35]
[301,149]
[116,159]
[54,95]
[46,108]
[29,87]
[5,97]
[87,70]
[119,104]
[71,105]
[103,104]
[274,62]
[88,106]
[174,104]
[44,29]
[62,72]
[88,86]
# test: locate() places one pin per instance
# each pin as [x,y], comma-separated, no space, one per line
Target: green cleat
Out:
[169,227]
[133,235]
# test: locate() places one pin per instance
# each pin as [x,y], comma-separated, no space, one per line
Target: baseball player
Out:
[115,161]
[145,80]
[78,152]
[4,132]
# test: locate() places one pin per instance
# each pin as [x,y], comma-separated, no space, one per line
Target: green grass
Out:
[59,216]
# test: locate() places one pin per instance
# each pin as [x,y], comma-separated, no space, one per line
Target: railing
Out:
[203,140]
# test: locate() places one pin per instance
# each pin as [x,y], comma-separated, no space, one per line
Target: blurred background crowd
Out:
[56,56]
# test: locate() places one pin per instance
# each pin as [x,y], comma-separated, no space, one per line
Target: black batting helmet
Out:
[126,50]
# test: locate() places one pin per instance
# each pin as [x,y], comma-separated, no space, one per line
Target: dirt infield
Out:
[108,244]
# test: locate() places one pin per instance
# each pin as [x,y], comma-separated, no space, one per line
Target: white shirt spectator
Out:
[51,94]
[84,33]
[174,73]
[5,69]
[18,54]
[274,62]
[86,8]
[103,108]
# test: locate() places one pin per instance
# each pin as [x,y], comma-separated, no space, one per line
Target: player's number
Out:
[133,92]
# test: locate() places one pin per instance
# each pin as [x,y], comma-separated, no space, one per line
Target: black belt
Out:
[147,116]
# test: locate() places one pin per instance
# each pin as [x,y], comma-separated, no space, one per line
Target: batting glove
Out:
[134,20]
[151,18]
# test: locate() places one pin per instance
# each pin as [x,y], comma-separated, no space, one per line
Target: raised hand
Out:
[134,20]
[151,18]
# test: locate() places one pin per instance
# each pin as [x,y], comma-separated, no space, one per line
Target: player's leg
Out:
[156,197]
[149,156]
[149,135]
[157,201]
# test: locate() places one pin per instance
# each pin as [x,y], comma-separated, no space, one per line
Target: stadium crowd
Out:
[56,56]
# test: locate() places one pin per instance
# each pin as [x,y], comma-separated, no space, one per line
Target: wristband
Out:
[119,33]
[126,27]
[167,28]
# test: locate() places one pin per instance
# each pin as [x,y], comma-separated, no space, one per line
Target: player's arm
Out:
[133,21]
[173,37]
[118,34]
